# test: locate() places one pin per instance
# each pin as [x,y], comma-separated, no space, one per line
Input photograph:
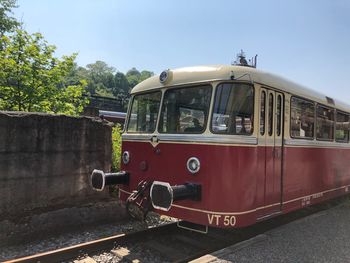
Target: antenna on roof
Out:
[242,61]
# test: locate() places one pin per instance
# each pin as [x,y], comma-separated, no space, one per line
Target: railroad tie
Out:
[125,254]
[85,260]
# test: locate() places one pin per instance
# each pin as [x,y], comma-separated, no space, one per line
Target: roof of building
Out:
[200,74]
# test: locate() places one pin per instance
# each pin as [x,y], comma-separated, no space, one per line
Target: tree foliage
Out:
[7,22]
[121,84]
[104,80]
[32,79]
[101,78]
[116,147]
[134,76]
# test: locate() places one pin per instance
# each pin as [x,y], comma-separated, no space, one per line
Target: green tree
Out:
[134,76]
[99,69]
[7,23]
[121,84]
[116,146]
[101,81]
[133,72]
[100,78]
[76,74]
[145,74]
[32,79]
[101,90]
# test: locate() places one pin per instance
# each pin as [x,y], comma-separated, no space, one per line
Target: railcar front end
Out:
[227,146]
[189,151]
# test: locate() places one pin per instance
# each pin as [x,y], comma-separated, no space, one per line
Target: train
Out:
[228,146]
[113,116]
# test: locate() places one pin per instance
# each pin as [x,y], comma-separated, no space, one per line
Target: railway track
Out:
[166,243]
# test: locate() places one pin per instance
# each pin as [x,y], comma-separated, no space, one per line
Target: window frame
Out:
[335,126]
[208,84]
[279,121]
[262,91]
[271,118]
[330,108]
[126,127]
[213,104]
[290,119]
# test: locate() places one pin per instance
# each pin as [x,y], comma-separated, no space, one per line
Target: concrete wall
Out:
[46,160]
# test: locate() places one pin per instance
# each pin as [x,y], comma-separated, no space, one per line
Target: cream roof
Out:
[199,74]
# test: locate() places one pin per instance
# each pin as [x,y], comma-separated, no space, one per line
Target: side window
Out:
[262,112]
[270,119]
[302,119]
[325,123]
[279,115]
[342,127]
[144,112]
[233,109]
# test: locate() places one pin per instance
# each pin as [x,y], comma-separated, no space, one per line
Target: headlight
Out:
[193,165]
[126,157]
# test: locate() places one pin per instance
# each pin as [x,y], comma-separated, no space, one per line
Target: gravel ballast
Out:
[80,235]
[321,237]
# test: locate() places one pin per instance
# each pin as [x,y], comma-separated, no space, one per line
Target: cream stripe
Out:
[224,213]
[327,191]
[315,144]
[248,211]
[212,212]
[259,143]
[199,143]
[193,138]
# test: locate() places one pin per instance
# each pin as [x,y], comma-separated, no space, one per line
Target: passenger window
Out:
[233,109]
[262,112]
[342,127]
[325,123]
[279,115]
[270,120]
[302,119]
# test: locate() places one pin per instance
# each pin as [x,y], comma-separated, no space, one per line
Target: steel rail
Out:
[170,243]
[72,252]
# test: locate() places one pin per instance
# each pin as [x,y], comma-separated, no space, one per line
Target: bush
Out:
[116,147]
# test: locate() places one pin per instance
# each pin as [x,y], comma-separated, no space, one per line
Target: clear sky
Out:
[307,41]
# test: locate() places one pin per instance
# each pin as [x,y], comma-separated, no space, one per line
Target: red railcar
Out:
[227,146]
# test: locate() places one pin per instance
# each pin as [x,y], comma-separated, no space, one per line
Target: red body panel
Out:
[240,183]
[321,172]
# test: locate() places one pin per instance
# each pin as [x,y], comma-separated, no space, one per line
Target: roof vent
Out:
[242,61]
[330,100]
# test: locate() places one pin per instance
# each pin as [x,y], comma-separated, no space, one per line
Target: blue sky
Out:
[305,41]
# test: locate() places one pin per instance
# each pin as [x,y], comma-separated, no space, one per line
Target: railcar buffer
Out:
[163,194]
[99,179]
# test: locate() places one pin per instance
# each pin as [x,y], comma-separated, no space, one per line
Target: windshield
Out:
[185,110]
[144,112]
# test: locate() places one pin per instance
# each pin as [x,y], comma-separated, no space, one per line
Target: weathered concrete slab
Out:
[46,160]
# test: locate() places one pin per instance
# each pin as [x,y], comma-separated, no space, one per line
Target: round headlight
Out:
[126,157]
[165,76]
[193,165]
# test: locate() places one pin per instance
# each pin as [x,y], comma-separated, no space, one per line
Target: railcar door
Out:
[272,141]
